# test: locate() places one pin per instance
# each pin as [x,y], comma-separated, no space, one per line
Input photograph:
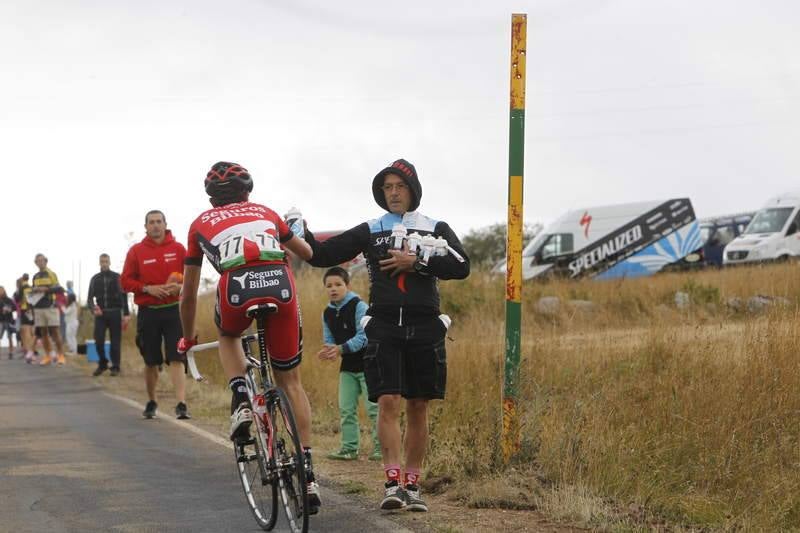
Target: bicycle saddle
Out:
[260,310]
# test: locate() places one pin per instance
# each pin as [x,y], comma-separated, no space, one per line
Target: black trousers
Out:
[110,320]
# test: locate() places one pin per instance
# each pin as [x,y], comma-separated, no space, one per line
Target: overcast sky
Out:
[111,108]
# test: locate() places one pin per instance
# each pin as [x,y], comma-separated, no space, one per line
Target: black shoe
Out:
[150,409]
[182,412]
[99,370]
[394,497]
[414,501]
[114,372]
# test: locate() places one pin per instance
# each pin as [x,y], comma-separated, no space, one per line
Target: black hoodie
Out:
[407,173]
[410,297]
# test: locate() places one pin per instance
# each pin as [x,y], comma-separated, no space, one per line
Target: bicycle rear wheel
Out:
[258,475]
[290,462]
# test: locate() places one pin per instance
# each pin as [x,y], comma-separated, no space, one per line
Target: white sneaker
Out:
[314,503]
[240,421]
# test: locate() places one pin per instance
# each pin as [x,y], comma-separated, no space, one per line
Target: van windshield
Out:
[769,220]
[534,245]
[546,247]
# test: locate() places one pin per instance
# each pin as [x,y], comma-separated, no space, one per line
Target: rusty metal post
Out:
[516,151]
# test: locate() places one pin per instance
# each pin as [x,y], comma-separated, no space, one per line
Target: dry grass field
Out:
[636,414]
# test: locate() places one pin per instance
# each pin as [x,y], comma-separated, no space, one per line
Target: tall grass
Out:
[690,414]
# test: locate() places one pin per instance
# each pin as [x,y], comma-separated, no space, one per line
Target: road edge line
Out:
[382,522]
[180,423]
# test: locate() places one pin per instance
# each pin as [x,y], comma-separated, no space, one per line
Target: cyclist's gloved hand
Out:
[294,219]
[184,344]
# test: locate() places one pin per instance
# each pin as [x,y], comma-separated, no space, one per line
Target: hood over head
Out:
[407,173]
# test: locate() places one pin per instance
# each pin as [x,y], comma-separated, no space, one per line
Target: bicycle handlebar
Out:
[207,346]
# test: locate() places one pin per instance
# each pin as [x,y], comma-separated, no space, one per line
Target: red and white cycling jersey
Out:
[233,235]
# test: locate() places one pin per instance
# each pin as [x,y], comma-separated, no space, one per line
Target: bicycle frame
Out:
[268,403]
[259,400]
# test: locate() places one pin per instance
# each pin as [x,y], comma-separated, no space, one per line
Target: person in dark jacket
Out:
[345,339]
[407,253]
[109,305]
[7,320]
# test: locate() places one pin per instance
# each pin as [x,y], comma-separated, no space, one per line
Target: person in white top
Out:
[72,323]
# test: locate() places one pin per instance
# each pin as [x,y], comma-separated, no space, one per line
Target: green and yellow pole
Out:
[516,152]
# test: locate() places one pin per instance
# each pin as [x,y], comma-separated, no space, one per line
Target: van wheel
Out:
[784,258]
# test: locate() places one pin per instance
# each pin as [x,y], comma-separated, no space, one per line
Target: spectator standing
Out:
[26,321]
[148,266]
[345,339]
[46,314]
[7,320]
[72,323]
[405,356]
[109,305]
[62,303]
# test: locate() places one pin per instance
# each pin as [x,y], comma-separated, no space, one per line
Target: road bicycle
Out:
[271,462]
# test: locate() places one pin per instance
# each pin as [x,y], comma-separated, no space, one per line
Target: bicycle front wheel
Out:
[258,474]
[290,463]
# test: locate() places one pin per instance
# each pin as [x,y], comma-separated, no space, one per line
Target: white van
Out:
[771,235]
[613,241]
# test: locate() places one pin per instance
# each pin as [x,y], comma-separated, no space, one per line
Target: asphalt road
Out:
[74,459]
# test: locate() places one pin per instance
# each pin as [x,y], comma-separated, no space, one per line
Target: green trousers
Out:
[351,386]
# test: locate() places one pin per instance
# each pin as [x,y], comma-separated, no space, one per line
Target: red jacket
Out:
[149,263]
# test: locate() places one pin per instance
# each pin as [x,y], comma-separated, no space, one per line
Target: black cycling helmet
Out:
[225,178]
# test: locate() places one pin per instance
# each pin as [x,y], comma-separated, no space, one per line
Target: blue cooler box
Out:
[91,352]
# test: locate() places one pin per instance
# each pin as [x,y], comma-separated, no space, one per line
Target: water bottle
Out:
[259,405]
[440,247]
[294,219]
[414,242]
[398,236]
[427,248]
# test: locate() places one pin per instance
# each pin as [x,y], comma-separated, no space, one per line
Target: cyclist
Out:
[244,242]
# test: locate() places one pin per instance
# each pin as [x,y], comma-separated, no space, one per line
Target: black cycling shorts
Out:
[406,360]
[157,328]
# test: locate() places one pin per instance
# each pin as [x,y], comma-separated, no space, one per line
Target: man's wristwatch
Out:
[419,267]
[144,289]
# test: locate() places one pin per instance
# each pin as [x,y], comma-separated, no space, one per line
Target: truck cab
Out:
[771,235]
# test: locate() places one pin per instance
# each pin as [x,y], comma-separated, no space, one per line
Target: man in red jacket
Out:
[148,268]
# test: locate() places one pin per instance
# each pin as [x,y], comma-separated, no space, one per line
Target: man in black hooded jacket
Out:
[405,355]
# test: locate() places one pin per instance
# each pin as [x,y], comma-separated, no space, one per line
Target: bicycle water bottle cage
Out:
[261,310]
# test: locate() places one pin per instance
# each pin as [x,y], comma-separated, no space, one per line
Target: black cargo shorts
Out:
[406,360]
